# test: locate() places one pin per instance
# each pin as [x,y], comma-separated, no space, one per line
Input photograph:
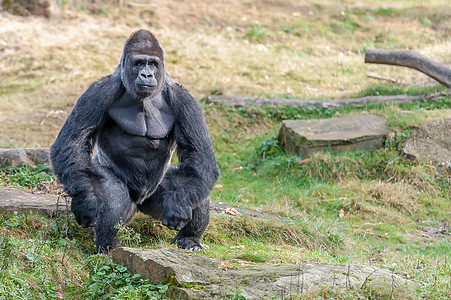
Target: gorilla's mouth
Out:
[146,86]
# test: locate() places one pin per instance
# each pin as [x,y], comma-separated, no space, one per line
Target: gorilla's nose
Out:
[146,75]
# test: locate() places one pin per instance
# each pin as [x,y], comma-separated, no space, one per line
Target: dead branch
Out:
[140,5]
[374,76]
[410,59]
[358,102]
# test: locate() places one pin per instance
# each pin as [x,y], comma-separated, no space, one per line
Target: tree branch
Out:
[358,102]
[410,59]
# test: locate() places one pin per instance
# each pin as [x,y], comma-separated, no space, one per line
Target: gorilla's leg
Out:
[116,207]
[189,236]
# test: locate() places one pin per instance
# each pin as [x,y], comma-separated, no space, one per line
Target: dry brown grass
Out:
[384,201]
[306,50]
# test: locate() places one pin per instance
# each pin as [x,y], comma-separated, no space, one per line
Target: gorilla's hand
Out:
[175,214]
[85,209]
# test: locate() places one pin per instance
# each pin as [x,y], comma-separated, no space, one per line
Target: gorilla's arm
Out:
[72,150]
[197,171]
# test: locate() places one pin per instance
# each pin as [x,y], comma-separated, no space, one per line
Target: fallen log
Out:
[358,102]
[410,59]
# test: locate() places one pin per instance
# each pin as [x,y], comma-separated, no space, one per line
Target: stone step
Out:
[350,133]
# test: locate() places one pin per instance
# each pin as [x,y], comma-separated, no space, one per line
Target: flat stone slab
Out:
[357,132]
[431,143]
[22,201]
[196,277]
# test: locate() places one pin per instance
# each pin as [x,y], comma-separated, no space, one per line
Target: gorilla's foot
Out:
[188,243]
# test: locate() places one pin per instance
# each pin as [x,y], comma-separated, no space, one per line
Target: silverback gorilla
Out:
[135,119]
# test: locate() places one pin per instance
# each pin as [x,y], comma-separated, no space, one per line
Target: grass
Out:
[353,208]
[45,258]
[359,207]
[39,178]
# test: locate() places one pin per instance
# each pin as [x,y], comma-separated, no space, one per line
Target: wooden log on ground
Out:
[410,59]
[358,102]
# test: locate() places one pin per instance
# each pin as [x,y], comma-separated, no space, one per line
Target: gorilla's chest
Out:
[151,118]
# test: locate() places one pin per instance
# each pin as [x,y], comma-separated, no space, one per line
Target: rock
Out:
[159,265]
[431,143]
[17,157]
[195,277]
[44,8]
[358,132]
[22,201]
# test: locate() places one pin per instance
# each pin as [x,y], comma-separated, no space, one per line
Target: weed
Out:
[426,22]
[238,295]
[346,23]
[387,12]
[256,33]
[128,237]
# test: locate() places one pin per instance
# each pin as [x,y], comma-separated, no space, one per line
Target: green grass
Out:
[33,178]
[48,258]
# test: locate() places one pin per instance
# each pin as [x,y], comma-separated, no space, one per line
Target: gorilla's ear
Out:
[122,62]
[122,67]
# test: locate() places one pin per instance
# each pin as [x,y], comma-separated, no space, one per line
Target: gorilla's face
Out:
[145,70]
[142,75]
[142,66]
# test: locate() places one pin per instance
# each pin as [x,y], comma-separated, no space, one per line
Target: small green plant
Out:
[426,22]
[256,33]
[346,23]
[387,12]
[238,295]
[112,281]
[128,237]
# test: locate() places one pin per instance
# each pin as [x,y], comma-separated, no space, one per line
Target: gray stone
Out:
[17,157]
[431,143]
[195,277]
[22,201]
[358,132]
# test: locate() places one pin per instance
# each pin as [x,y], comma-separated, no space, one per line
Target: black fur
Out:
[135,118]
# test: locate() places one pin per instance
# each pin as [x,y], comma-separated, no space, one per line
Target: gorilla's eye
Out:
[138,63]
[153,64]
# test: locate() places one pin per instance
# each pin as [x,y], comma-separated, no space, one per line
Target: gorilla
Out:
[113,154]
